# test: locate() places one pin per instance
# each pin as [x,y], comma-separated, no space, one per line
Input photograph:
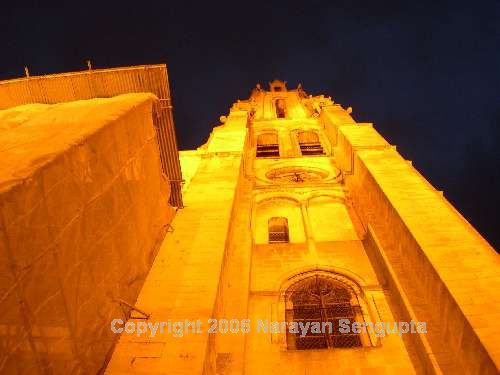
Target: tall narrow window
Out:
[322,300]
[280,108]
[309,143]
[278,230]
[267,145]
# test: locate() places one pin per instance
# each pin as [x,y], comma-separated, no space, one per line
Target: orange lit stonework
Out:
[293,213]
[289,193]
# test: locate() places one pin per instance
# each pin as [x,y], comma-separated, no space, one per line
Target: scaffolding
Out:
[105,83]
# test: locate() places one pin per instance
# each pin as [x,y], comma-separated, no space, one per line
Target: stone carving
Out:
[295,175]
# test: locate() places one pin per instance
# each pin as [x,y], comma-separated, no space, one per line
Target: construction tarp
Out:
[83,207]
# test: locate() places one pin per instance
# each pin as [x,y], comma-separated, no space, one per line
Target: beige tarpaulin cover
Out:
[83,205]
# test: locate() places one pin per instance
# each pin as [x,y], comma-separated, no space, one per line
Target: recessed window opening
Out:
[320,299]
[309,143]
[278,230]
[280,108]
[267,145]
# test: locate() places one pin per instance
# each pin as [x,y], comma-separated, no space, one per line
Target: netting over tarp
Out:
[83,204]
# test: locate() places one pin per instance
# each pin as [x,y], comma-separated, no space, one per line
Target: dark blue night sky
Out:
[427,74]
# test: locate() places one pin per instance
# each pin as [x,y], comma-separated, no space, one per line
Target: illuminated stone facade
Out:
[295,212]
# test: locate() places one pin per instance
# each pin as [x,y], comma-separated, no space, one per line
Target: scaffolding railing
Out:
[105,83]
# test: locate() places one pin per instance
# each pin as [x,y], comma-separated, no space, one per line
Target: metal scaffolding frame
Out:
[105,83]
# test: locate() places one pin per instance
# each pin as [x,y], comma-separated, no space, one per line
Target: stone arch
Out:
[267,137]
[280,107]
[352,282]
[266,198]
[330,219]
[264,130]
[334,197]
[342,275]
[322,300]
[267,143]
[285,206]
[309,140]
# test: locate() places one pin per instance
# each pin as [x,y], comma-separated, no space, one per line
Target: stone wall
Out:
[184,281]
[445,272]
[445,268]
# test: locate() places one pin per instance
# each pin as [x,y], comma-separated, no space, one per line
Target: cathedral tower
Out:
[296,214]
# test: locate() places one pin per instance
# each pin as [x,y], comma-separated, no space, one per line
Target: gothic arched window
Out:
[323,300]
[309,143]
[267,145]
[280,107]
[278,230]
